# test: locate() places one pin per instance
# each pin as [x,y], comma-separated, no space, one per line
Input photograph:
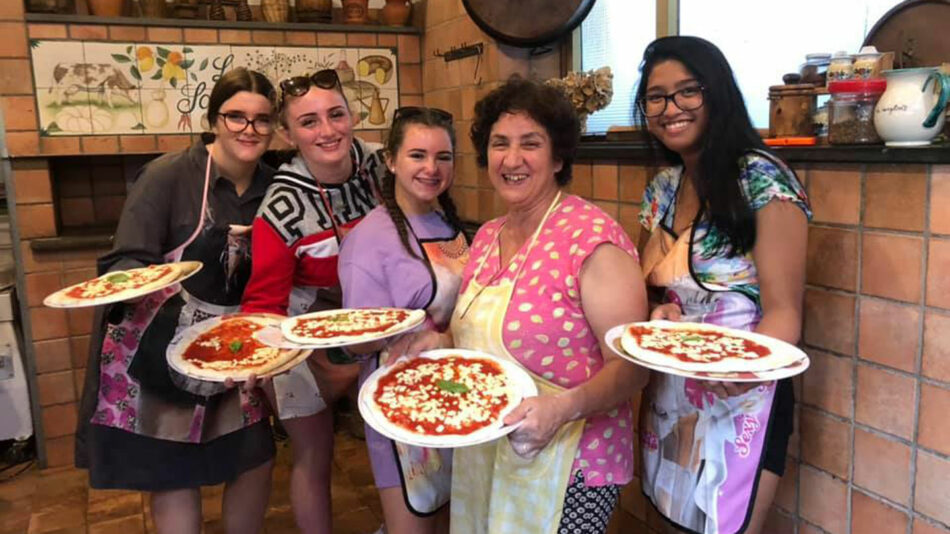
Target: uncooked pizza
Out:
[704,347]
[453,395]
[122,285]
[225,347]
[349,325]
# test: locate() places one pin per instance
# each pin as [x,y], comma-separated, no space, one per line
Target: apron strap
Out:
[175,254]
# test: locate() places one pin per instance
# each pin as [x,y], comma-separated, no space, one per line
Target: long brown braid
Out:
[388,186]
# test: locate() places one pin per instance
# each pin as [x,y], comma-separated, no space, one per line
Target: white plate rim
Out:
[612,339]
[524,383]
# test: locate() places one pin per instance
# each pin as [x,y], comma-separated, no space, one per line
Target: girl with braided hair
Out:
[409,252]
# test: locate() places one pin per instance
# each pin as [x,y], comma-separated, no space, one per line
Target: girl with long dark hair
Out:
[724,243]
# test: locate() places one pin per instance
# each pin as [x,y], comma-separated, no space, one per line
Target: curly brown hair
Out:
[545,105]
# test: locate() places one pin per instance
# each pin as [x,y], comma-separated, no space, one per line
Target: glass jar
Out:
[840,67]
[815,68]
[867,65]
[851,113]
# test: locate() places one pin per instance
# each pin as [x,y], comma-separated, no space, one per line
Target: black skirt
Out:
[122,460]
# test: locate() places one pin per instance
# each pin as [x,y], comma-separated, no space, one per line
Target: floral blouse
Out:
[763,179]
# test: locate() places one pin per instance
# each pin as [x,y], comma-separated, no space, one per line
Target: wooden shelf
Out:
[221,24]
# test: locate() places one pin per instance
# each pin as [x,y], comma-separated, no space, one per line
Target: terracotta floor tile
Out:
[119,506]
[133,524]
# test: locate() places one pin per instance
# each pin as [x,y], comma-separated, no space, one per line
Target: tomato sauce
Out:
[447,399]
[346,323]
[234,339]
[675,336]
[104,287]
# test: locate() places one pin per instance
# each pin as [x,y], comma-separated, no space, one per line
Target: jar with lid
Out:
[840,67]
[867,65]
[790,110]
[815,68]
[851,113]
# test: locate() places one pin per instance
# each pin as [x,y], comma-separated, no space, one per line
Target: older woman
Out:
[544,283]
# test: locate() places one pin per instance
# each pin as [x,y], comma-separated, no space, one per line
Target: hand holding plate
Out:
[539,419]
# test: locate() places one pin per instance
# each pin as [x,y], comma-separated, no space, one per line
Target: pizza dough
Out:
[699,347]
[224,347]
[348,326]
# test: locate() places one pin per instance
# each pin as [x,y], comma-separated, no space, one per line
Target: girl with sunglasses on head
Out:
[724,242]
[328,187]
[409,253]
[138,430]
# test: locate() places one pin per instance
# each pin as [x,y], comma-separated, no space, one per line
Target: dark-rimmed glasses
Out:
[687,99]
[407,112]
[237,123]
[299,85]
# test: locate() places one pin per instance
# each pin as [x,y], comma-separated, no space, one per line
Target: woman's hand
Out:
[540,418]
[724,390]
[250,384]
[666,312]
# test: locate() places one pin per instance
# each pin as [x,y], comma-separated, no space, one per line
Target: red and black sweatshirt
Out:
[295,242]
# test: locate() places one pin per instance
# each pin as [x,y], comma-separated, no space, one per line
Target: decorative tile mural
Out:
[100,88]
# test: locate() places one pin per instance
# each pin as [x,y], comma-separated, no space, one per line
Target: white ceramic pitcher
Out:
[911,110]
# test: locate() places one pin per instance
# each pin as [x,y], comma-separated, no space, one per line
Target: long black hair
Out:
[425,117]
[728,137]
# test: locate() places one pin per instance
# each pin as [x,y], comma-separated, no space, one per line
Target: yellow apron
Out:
[495,491]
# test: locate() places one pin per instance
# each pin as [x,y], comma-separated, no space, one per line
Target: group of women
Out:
[723,241]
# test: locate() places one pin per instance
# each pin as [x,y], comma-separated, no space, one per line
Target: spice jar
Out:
[790,110]
[851,114]
[840,67]
[814,69]
[867,65]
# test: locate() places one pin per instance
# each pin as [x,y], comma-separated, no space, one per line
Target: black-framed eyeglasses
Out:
[237,123]
[407,112]
[299,85]
[687,99]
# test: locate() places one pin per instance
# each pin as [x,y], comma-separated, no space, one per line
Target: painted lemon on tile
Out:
[145,59]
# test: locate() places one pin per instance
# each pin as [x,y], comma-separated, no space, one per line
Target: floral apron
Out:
[702,455]
[426,473]
[493,489]
[175,416]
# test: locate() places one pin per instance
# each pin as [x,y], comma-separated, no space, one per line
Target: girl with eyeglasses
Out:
[724,240]
[409,253]
[141,426]
[328,187]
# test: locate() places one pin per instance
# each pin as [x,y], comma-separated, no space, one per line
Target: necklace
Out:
[502,270]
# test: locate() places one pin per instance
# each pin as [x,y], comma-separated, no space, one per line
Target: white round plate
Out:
[612,337]
[522,382]
[186,269]
[274,336]
[183,339]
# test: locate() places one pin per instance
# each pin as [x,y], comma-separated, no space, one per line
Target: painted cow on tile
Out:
[103,79]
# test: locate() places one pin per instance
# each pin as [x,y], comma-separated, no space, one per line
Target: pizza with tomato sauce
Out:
[122,285]
[225,347]
[705,347]
[348,326]
[453,395]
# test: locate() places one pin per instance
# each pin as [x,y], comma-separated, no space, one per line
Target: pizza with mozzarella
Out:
[452,395]
[348,326]
[122,285]
[705,347]
[225,347]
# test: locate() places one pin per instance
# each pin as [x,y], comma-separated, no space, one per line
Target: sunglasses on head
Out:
[408,112]
[299,85]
